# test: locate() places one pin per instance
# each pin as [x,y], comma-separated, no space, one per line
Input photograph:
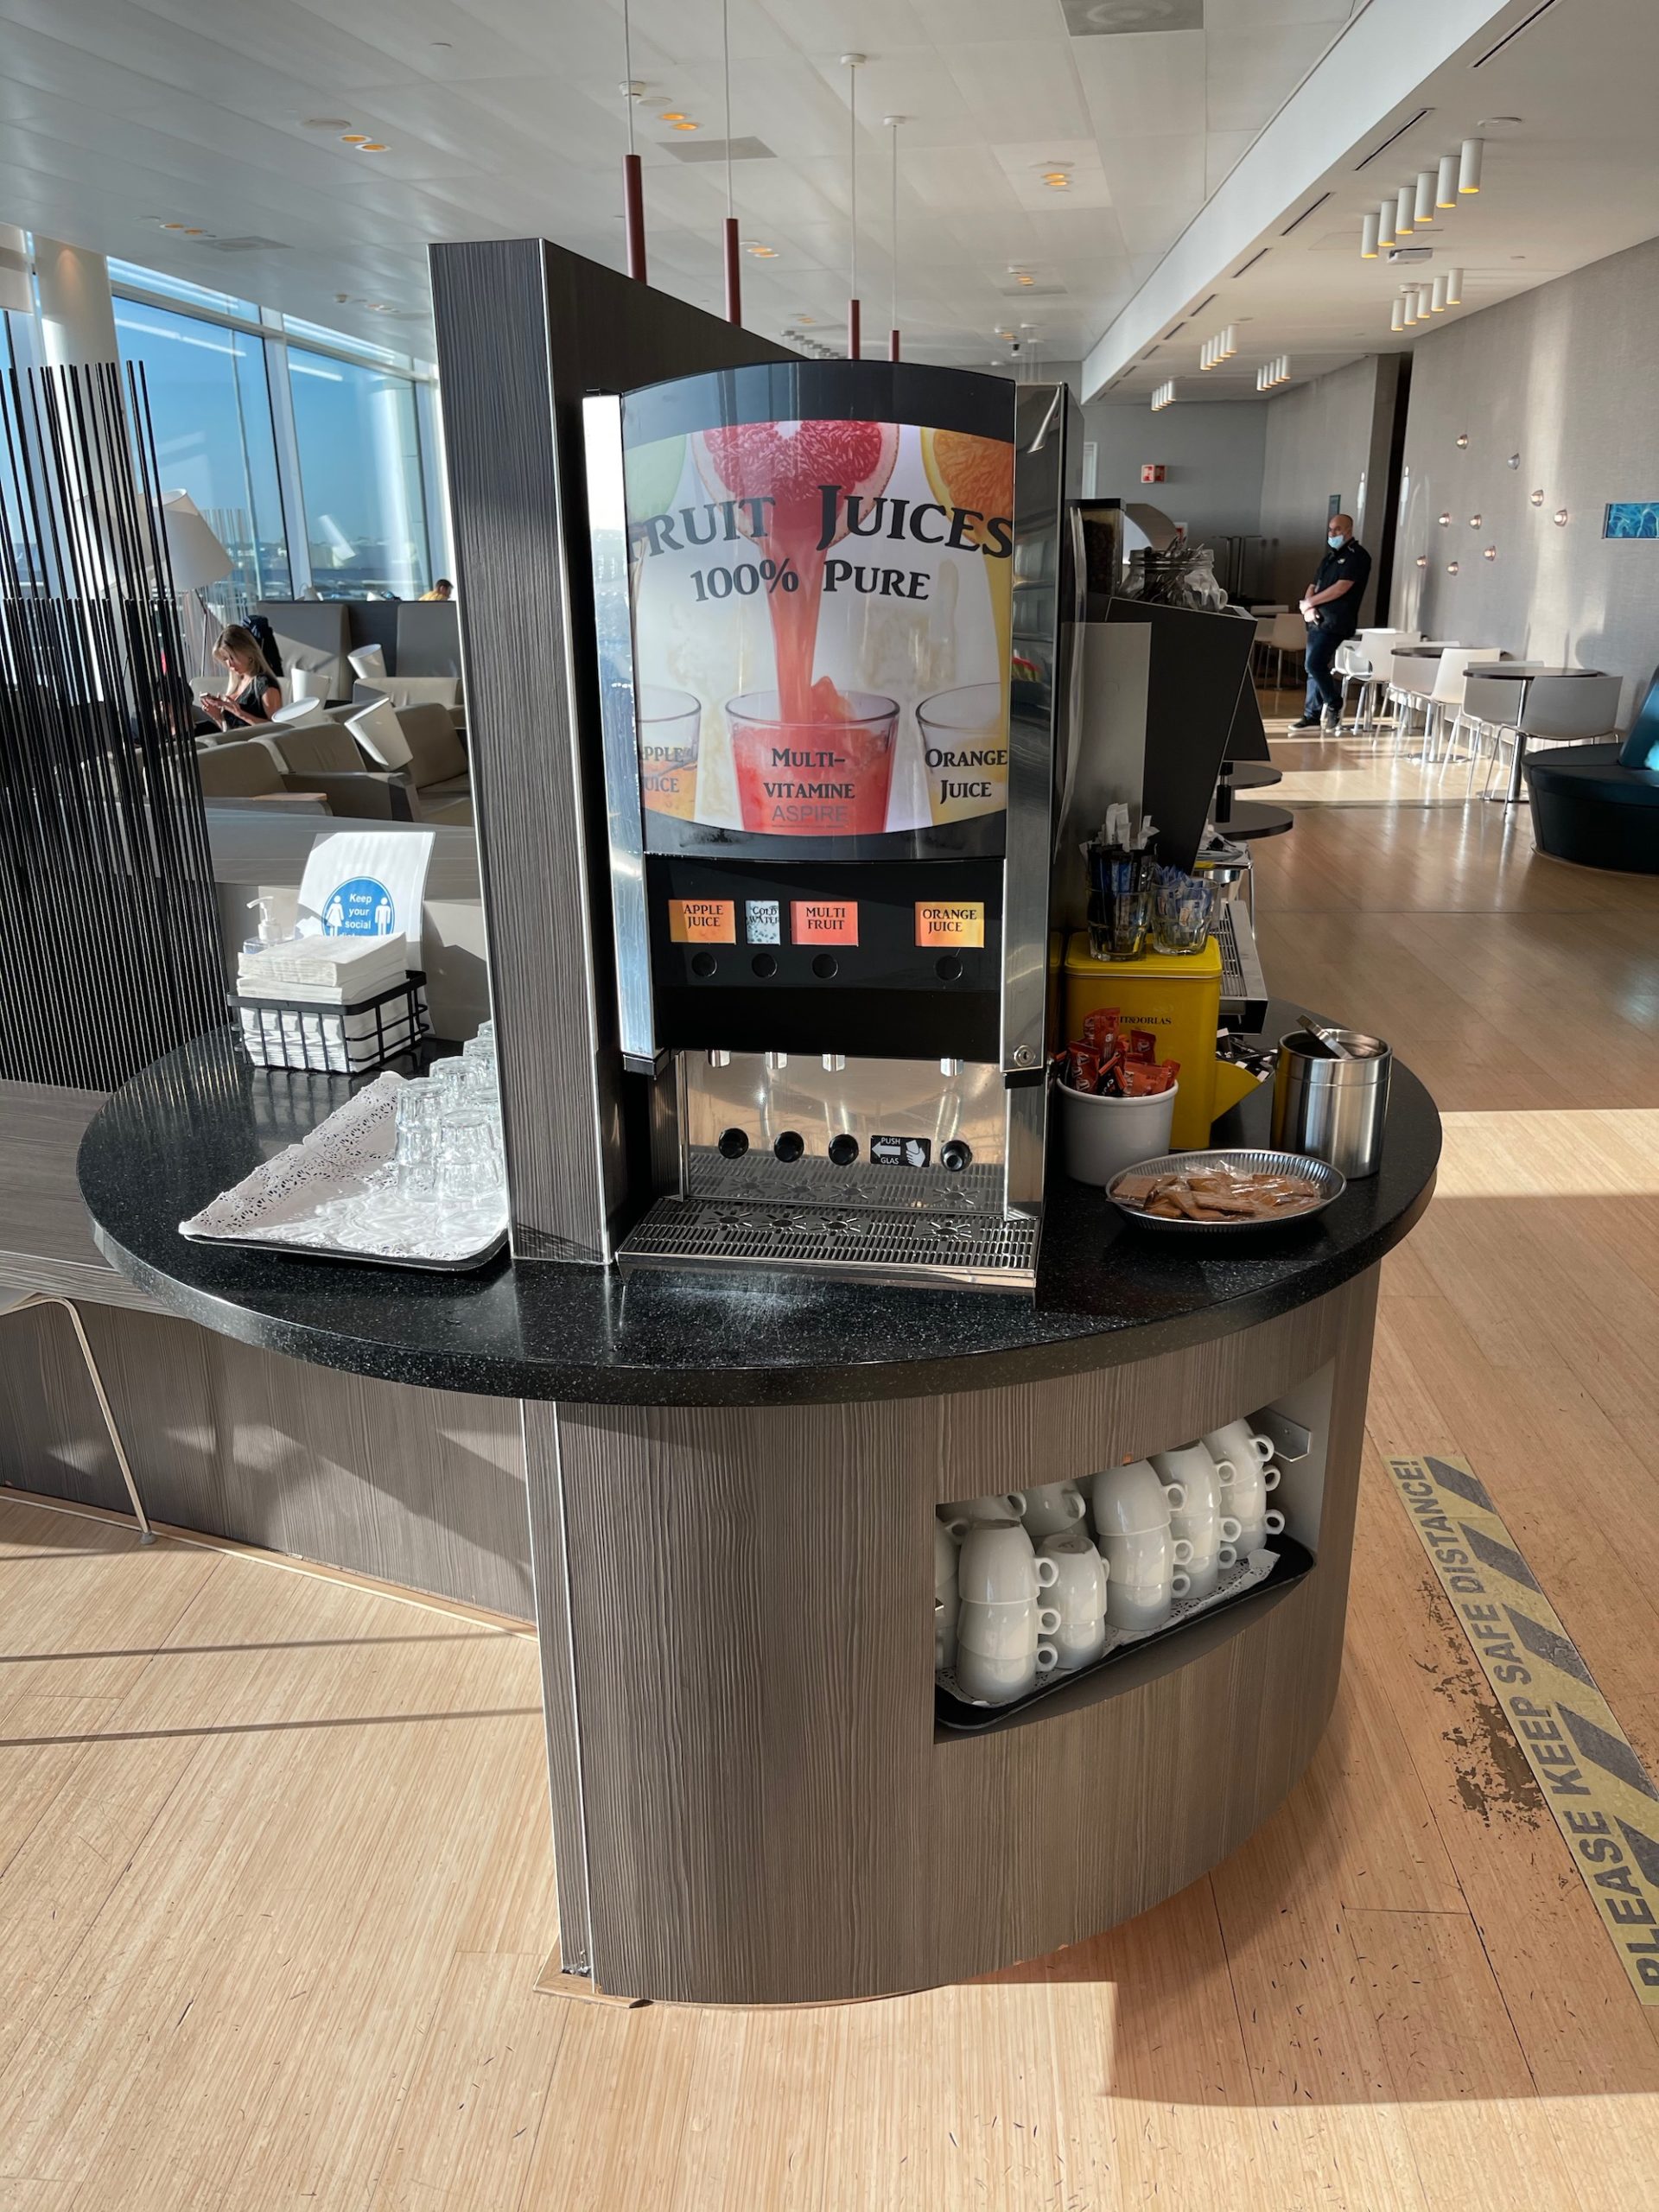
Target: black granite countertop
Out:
[199,1120]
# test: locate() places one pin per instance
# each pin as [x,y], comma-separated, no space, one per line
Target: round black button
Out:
[826,965]
[844,1150]
[702,963]
[733,1143]
[764,964]
[789,1146]
[956,1155]
[948,968]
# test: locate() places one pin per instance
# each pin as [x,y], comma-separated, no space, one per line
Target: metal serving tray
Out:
[1243,1160]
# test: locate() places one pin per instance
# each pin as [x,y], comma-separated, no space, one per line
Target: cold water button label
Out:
[762,921]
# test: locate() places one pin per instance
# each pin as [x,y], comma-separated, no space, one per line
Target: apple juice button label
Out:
[951,921]
[823,921]
[703,921]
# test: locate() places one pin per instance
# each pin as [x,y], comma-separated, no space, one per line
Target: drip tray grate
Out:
[892,1247]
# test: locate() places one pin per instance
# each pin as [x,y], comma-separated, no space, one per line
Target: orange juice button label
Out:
[703,921]
[951,921]
[823,921]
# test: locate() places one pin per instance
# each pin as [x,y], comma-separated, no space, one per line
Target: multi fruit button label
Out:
[703,921]
[955,922]
[823,921]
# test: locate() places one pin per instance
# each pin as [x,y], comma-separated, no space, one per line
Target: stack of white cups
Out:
[945,1598]
[962,1513]
[1145,1561]
[1052,1509]
[1078,1596]
[1198,1516]
[1002,1631]
[1240,1455]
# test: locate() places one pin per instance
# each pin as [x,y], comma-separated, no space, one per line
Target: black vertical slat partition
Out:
[524,330]
[108,937]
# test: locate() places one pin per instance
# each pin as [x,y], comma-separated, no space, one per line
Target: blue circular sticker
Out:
[361,908]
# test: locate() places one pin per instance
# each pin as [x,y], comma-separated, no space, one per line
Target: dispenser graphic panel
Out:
[823,614]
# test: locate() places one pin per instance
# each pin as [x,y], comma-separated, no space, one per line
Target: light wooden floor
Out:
[274,1883]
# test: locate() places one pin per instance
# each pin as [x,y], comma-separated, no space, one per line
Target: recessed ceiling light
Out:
[671,115]
[1499,121]
[683,126]
[373,146]
[354,138]
[326,122]
[806,318]
[191,230]
[172,227]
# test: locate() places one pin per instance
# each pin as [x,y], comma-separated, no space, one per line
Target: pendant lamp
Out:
[892,122]
[733,278]
[852,63]
[633,187]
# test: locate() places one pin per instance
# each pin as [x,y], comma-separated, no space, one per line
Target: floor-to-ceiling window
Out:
[210,408]
[314,454]
[360,473]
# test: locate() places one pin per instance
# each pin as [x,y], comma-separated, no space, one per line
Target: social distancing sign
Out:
[1605,1802]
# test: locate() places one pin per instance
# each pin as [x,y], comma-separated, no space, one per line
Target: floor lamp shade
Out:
[197,557]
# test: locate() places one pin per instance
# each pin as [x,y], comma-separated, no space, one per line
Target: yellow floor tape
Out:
[1605,1802]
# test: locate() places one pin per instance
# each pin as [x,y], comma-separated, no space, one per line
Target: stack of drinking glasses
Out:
[447,1162]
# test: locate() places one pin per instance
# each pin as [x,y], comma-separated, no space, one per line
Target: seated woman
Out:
[256,695]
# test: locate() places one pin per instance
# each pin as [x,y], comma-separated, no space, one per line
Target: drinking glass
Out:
[1184,912]
[468,1160]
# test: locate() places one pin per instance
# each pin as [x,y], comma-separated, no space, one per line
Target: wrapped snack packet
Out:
[1142,1081]
[1082,1068]
[1141,1045]
[1100,1029]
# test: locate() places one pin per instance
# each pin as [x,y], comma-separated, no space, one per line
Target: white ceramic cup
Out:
[1238,1441]
[1100,1137]
[1079,1593]
[1204,1576]
[997,1565]
[944,1557]
[1199,1518]
[1079,1645]
[945,1609]
[1143,1557]
[1254,1534]
[1004,1631]
[962,1512]
[995,1682]
[1137,1609]
[1002,1650]
[1129,1500]
[1053,1507]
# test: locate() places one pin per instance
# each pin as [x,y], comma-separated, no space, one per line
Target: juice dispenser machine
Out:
[835,604]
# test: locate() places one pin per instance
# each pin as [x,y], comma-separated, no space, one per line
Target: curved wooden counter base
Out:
[751,1804]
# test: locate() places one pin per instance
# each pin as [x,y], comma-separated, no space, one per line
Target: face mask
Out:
[1336,544]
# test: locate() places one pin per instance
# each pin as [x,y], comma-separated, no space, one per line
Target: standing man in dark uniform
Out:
[1330,609]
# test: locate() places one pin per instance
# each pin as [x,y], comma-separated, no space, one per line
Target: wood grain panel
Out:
[46,1241]
[524,329]
[767,1815]
[559,1692]
[419,1487]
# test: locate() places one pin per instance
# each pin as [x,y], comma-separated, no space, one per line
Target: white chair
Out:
[1411,679]
[1365,660]
[1287,635]
[1446,694]
[1562,710]
[14,1301]
[368,660]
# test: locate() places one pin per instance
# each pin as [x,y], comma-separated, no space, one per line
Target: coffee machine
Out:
[835,607]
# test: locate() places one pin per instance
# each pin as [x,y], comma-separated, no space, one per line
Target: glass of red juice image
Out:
[825,779]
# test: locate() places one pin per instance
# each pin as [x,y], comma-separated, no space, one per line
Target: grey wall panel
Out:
[1212,449]
[428,639]
[524,329]
[1564,377]
[1330,435]
[419,1487]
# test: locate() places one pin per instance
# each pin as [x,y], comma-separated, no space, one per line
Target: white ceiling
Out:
[1576,179]
[504,117]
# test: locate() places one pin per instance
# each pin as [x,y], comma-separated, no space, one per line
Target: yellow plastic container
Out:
[1178,997]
